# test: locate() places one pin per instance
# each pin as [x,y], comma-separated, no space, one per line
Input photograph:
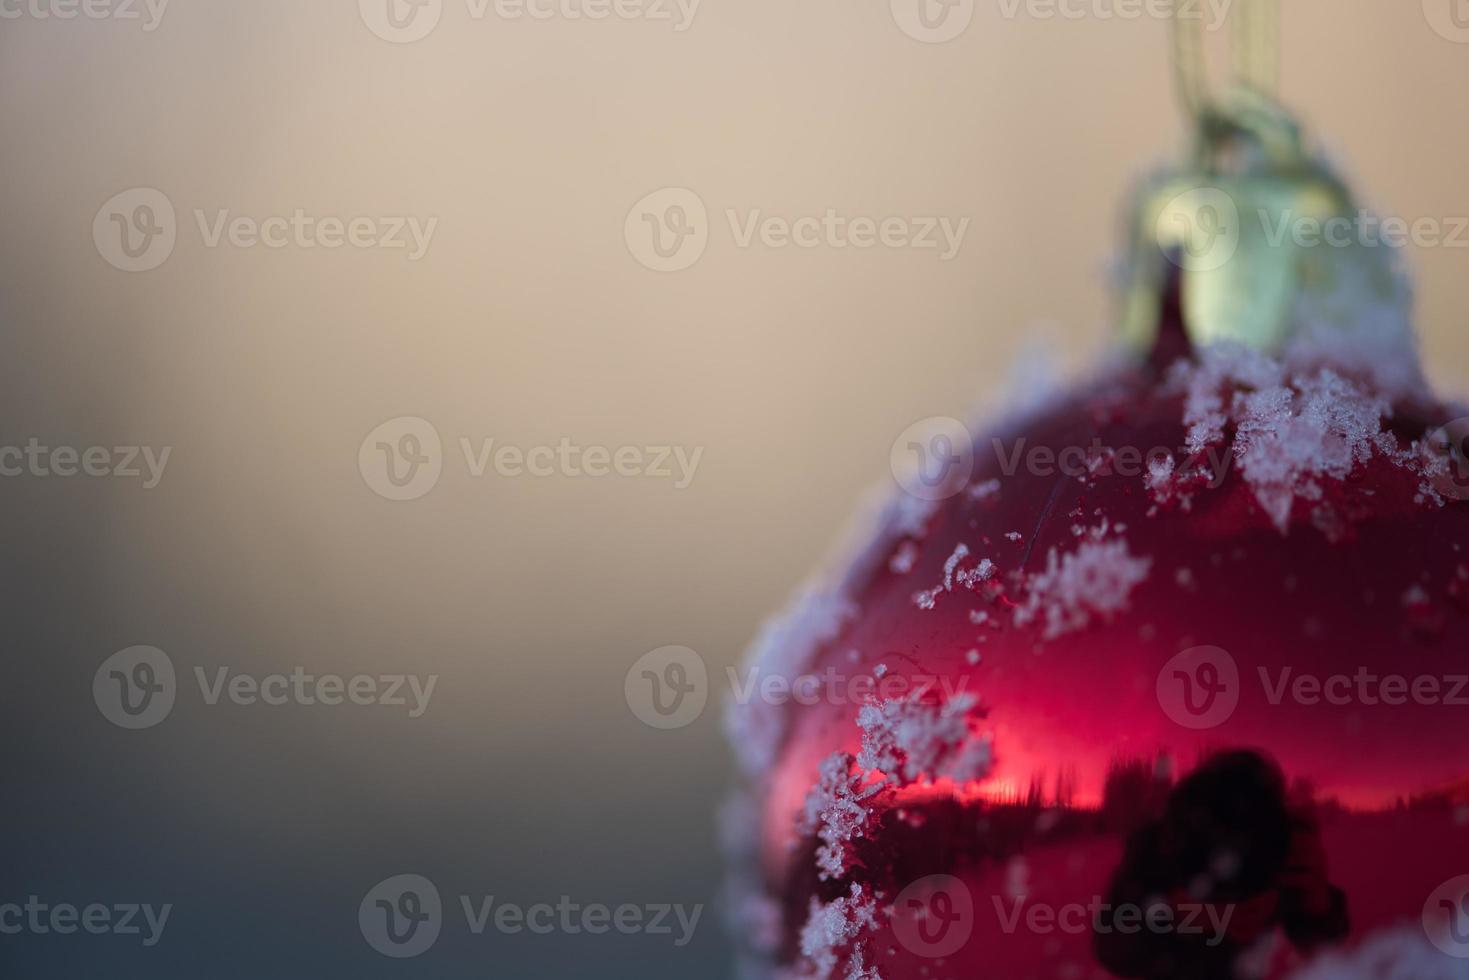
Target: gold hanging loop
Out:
[1256,51]
[1209,242]
[1188,60]
[1257,46]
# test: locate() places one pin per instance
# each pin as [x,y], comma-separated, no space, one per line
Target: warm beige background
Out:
[530,321]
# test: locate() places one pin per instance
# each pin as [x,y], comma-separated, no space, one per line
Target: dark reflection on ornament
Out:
[1230,838]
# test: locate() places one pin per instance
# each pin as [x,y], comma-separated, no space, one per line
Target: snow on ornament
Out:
[1218,726]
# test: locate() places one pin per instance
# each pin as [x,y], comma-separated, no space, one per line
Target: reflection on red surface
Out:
[1337,664]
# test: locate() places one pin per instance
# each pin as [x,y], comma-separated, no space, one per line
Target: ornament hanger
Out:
[1256,53]
[1211,237]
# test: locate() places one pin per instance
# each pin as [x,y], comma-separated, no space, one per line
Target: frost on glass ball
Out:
[1174,684]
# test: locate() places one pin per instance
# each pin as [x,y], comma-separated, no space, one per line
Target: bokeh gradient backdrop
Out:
[529,320]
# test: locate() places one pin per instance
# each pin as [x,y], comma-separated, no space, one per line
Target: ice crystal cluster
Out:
[910,741]
[1094,581]
[834,927]
[1294,430]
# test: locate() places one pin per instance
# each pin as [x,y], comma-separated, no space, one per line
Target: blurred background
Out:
[536,152]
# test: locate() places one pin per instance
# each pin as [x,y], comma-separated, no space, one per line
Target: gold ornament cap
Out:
[1252,224]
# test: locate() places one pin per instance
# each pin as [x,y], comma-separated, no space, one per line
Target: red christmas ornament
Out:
[1168,679]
